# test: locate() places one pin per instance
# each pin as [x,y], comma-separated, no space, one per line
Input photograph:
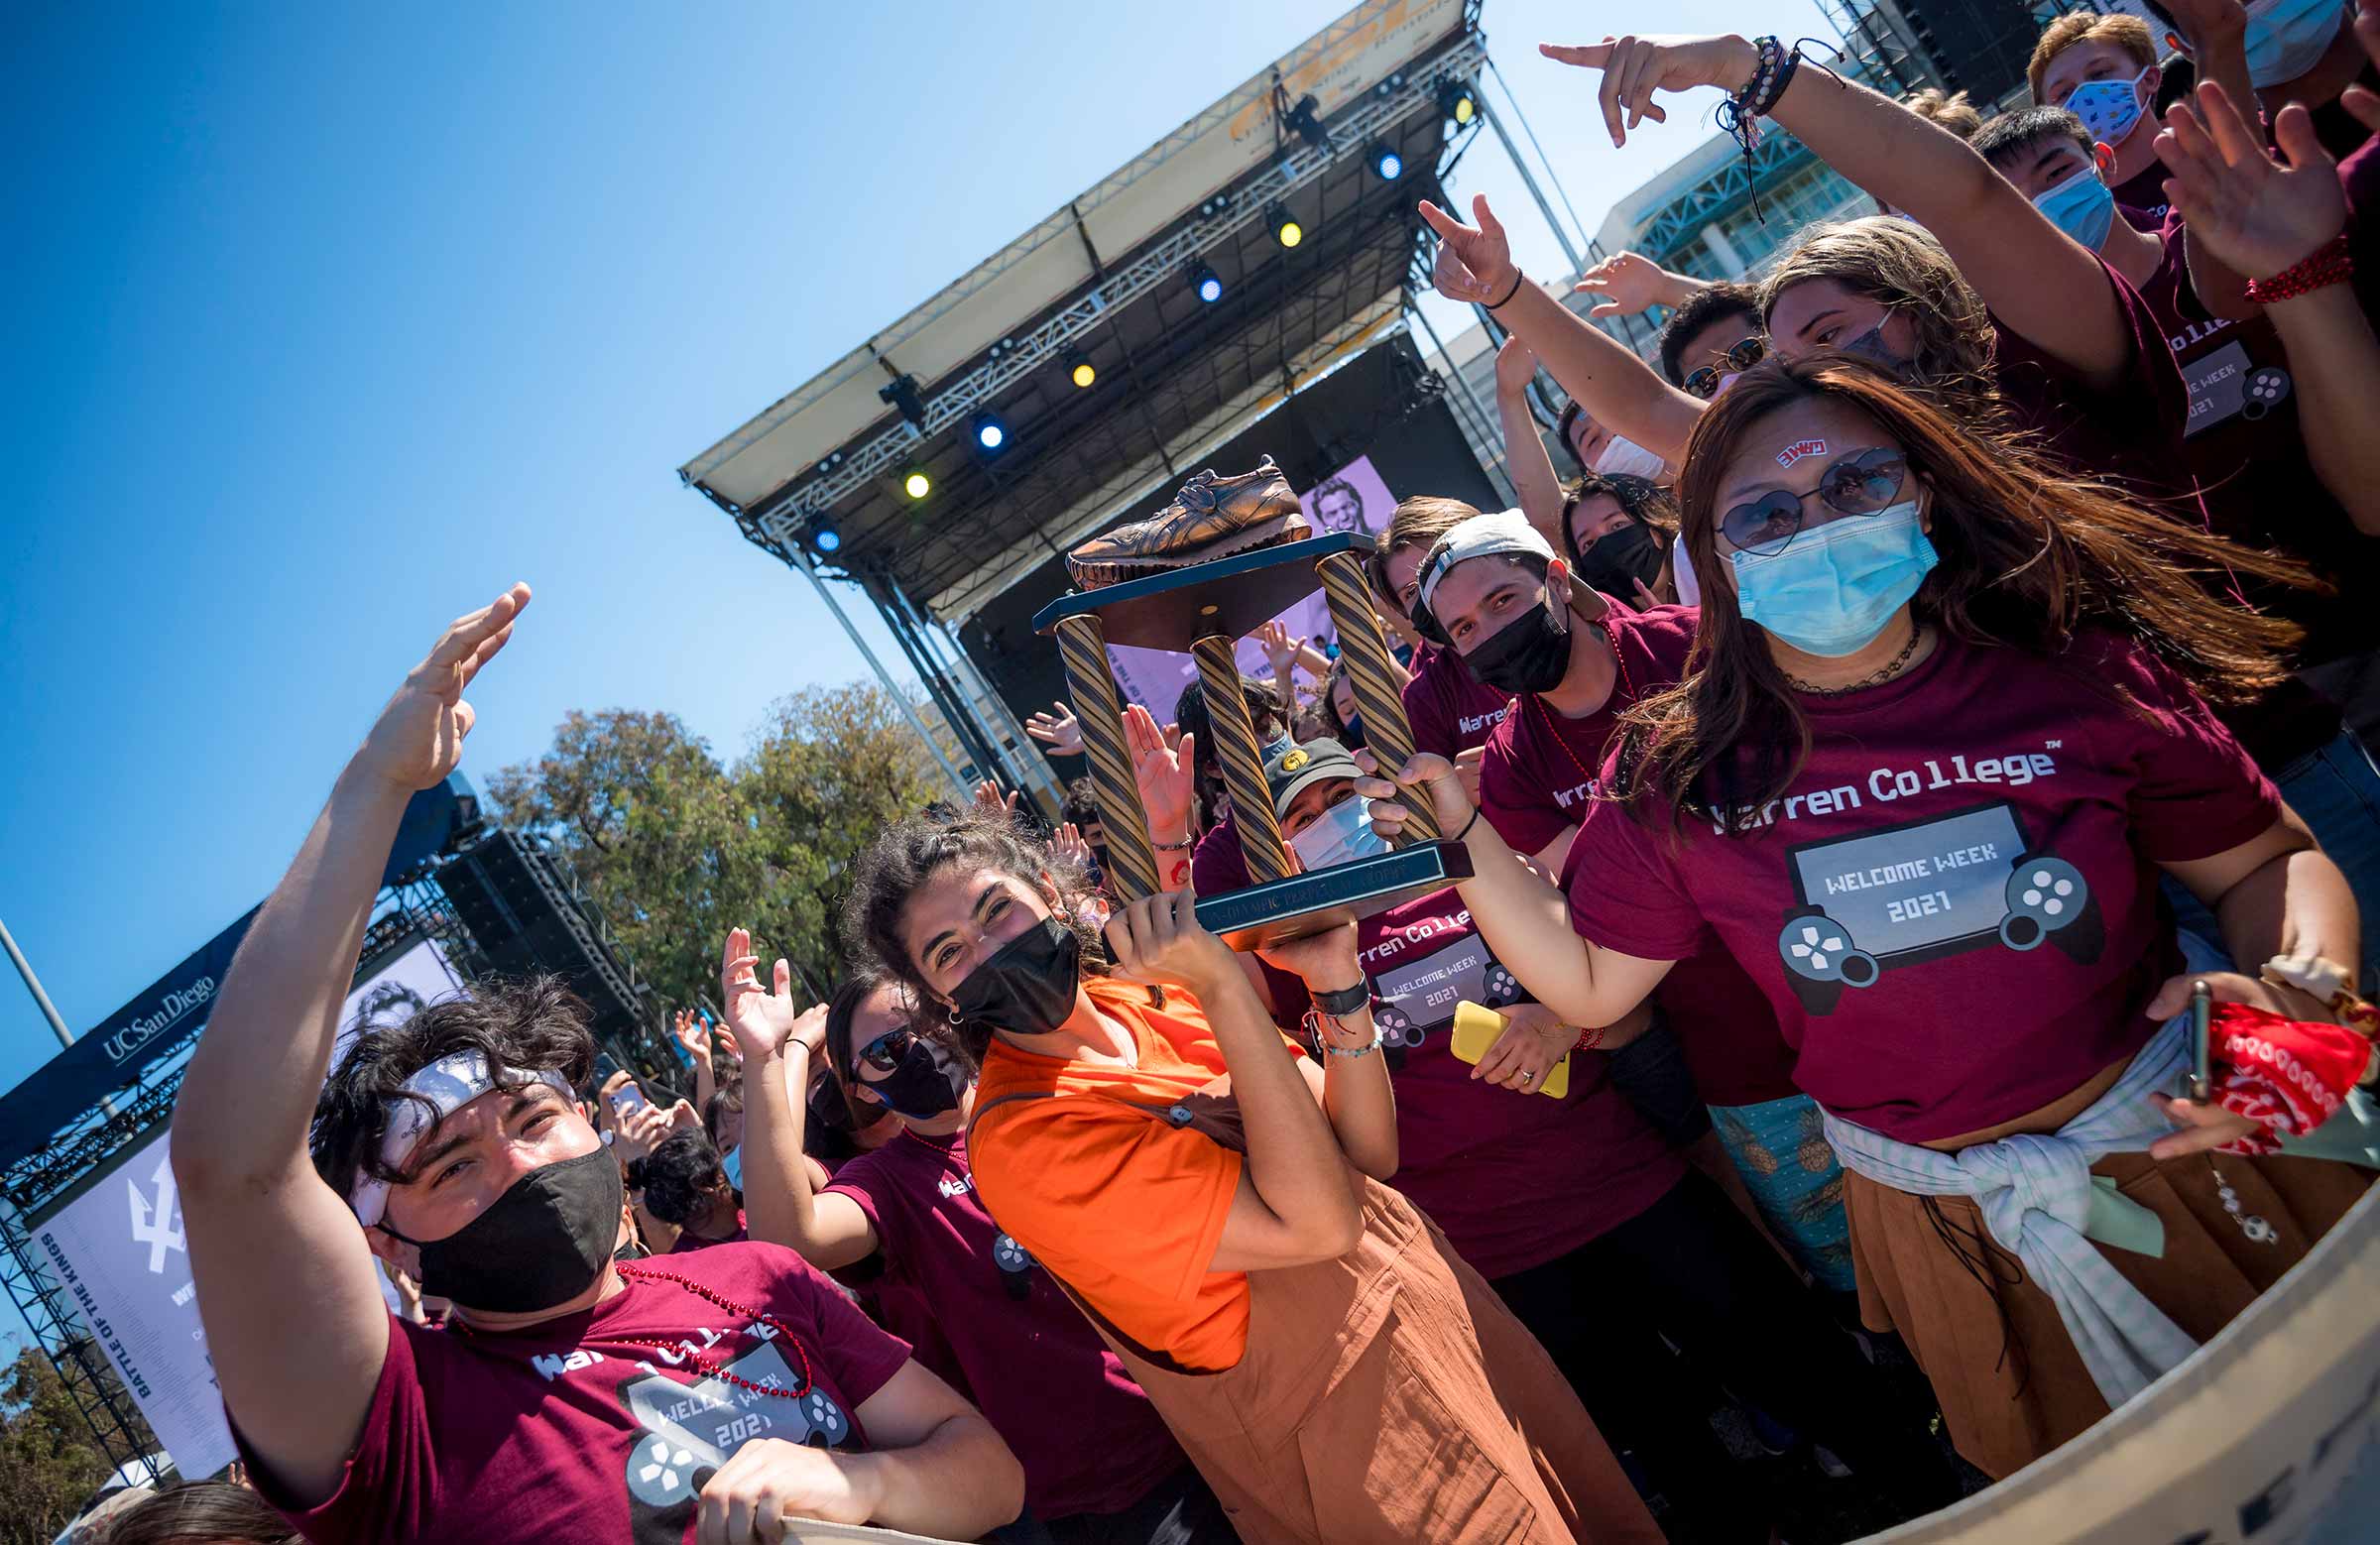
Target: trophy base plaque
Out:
[1304,904]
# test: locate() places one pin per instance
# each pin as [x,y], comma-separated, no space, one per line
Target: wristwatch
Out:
[1345,1002]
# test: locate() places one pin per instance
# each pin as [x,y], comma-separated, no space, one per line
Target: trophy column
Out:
[1243,760]
[1083,650]
[1372,672]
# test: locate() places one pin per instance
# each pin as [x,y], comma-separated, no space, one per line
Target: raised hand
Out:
[2256,215]
[989,806]
[1515,367]
[1474,262]
[1163,771]
[692,1034]
[759,1018]
[644,1130]
[1633,69]
[1278,646]
[1061,732]
[418,737]
[1627,283]
[1067,843]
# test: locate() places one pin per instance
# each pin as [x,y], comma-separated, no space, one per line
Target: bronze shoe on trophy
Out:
[1211,517]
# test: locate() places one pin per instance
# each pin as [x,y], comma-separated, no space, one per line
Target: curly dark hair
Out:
[674,1176]
[217,1512]
[1701,309]
[902,861]
[536,1024]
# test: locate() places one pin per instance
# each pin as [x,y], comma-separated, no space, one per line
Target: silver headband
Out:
[448,1084]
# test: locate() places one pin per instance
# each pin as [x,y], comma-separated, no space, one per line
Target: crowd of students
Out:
[1932,673]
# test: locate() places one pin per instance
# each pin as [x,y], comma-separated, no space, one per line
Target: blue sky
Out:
[324,323]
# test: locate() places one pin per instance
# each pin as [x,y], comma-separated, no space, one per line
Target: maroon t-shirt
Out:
[1538,770]
[2131,430]
[2244,447]
[1954,911]
[1516,1180]
[1448,708]
[1088,1438]
[574,1430]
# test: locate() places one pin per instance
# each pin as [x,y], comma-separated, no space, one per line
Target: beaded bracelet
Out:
[1323,1045]
[2331,262]
[1590,1040]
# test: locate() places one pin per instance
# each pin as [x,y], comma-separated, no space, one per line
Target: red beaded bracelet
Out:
[2331,262]
[1590,1040]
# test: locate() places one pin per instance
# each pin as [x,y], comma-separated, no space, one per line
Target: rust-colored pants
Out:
[2011,1385]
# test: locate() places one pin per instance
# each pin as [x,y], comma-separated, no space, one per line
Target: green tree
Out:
[49,1464]
[676,848]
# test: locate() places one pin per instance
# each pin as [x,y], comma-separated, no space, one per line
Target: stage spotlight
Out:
[917,485]
[825,536]
[1305,120]
[1078,368]
[1386,162]
[1459,102]
[1285,228]
[1207,283]
[989,434]
[903,394]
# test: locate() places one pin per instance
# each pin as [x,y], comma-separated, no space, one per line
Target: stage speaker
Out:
[526,919]
[1979,46]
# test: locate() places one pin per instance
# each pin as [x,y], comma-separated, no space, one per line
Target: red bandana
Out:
[2285,1075]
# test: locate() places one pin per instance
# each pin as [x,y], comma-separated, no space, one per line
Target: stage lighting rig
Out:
[1206,283]
[1078,368]
[1386,162]
[917,484]
[987,433]
[1285,227]
[1305,121]
[1459,103]
[824,536]
[903,394]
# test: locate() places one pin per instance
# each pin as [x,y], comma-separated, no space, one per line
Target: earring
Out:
[954,1017]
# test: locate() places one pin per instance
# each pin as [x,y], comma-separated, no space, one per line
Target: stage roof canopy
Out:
[1108,280]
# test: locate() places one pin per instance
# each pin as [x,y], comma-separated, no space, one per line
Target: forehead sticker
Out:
[1799,448]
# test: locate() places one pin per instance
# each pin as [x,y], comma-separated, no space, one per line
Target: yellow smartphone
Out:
[1476,1029]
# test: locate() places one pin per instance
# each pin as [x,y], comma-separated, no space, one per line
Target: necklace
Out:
[1621,687]
[713,1369]
[1890,669]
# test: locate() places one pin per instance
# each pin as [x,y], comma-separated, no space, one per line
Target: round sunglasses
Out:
[884,1053]
[1748,352]
[1865,483]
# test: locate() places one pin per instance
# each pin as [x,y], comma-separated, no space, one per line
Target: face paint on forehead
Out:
[1799,449]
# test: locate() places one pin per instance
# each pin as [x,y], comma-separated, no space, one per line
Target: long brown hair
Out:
[2027,556]
[1902,267]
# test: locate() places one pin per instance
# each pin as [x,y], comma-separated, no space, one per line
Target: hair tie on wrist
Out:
[1468,825]
[1517,278]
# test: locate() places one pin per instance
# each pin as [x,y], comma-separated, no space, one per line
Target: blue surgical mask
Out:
[733,1163]
[1274,746]
[2083,206]
[2287,37]
[1338,835]
[2109,109]
[1833,589]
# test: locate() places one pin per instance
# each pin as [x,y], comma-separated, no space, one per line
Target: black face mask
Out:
[1531,654]
[1619,558]
[827,1107]
[540,1244]
[1026,985]
[927,1083]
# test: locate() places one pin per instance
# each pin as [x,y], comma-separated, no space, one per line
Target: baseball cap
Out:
[1293,770]
[1505,533]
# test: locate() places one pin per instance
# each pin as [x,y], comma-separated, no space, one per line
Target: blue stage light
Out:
[1387,162]
[824,536]
[990,434]
[1207,283]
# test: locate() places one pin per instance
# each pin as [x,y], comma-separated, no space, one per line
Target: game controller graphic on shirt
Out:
[691,1429]
[1886,899]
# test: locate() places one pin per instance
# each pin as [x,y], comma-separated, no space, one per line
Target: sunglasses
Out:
[1704,382]
[887,1051]
[1867,483]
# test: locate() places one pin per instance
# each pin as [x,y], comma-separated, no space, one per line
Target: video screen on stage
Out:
[115,1245]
